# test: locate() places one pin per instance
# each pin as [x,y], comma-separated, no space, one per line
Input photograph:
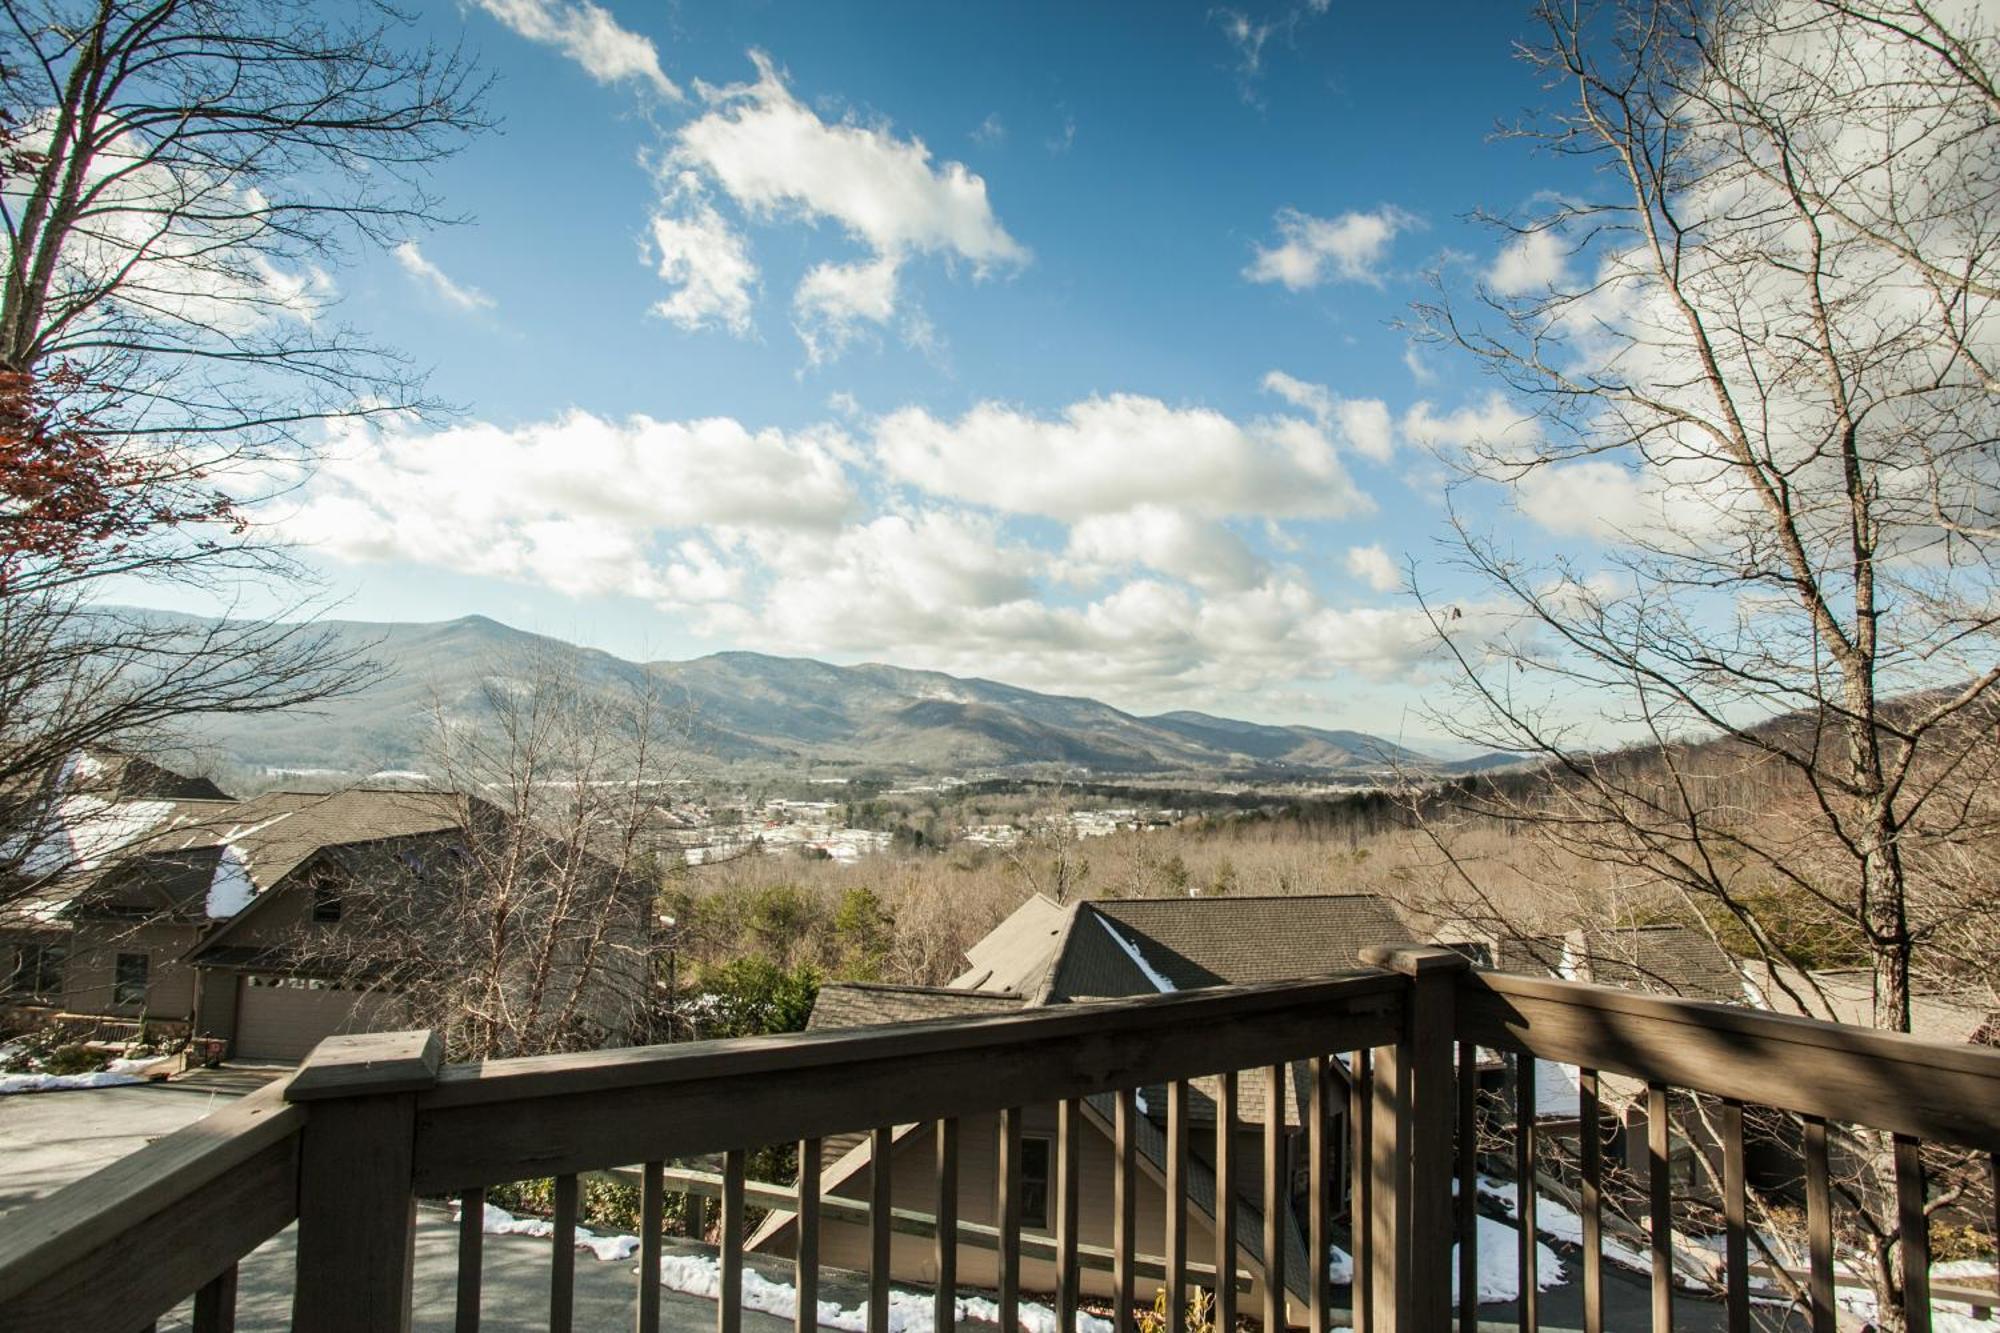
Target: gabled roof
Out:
[1229,941]
[1015,954]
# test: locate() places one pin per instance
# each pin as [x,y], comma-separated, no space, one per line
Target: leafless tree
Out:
[179,180]
[1758,375]
[534,931]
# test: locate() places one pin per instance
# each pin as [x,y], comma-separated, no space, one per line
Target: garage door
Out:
[280,1018]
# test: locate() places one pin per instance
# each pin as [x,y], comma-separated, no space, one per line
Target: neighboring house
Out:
[222,918]
[1049,954]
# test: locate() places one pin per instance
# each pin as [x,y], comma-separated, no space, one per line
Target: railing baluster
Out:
[652,1221]
[1468,1187]
[805,1256]
[1276,1098]
[881,1144]
[945,1314]
[1819,1225]
[1914,1223]
[729,1299]
[1319,1238]
[1009,1211]
[1177,1162]
[1524,1191]
[1660,1200]
[1361,1192]
[1590,1144]
[1736,1243]
[471,1247]
[1225,1201]
[215,1303]
[1125,1216]
[562,1271]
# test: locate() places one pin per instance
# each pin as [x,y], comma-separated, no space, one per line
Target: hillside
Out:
[752,709]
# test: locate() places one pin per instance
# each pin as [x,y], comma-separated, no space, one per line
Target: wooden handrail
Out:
[544,1116]
[165,1220]
[1935,1091]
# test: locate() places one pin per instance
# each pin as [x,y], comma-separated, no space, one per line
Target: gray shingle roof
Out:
[1196,942]
[1669,960]
[856,1004]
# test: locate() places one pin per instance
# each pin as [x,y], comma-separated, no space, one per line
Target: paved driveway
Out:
[48,1139]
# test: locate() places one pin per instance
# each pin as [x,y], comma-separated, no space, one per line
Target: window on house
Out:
[129,980]
[29,970]
[1035,1158]
[326,899]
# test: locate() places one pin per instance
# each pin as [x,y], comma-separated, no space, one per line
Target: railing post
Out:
[1415,1103]
[357,1208]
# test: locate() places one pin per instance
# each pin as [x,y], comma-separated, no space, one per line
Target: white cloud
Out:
[589,35]
[1372,565]
[1363,424]
[1169,541]
[991,131]
[581,504]
[832,298]
[779,161]
[1534,261]
[1109,455]
[1492,424]
[694,248]
[437,280]
[1313,250]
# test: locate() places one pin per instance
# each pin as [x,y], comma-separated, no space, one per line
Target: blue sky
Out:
[1050,343]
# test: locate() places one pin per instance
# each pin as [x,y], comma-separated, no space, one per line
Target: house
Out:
[226,919]
[1053,954]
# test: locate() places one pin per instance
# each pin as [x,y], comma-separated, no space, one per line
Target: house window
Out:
[129,980]
[326,899]
[1035,1158]
[37,971]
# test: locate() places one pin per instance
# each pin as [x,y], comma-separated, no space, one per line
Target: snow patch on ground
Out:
[909,1311]
[1499,1263]
[608,1249]
[116,1074]
[701,1275]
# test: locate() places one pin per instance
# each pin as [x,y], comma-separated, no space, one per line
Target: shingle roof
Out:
[856,1004]
[1671,960]
[1196,942]
[1015,954]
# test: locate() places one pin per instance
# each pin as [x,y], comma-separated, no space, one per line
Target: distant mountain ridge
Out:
[755,709]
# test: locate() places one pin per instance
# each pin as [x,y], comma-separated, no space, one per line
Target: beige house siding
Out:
[91,972]
[914,1186]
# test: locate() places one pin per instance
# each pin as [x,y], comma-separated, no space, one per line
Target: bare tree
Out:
[534,931]
[178,181]
[1759,373]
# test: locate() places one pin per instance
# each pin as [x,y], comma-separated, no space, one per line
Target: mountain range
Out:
[793,713]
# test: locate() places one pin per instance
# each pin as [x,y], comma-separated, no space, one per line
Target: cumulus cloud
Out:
[581,504]
[589,35]
[1372,565]
[1532,262]
[1112,454]
[1491,424]
[1168,541]
[438,281]
[1311,250]
[706,260]
[779,161]
[1363,424]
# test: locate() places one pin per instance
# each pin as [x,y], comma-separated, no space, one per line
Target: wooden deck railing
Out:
[371,1123]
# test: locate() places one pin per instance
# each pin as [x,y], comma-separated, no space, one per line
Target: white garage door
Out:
[280,1018]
